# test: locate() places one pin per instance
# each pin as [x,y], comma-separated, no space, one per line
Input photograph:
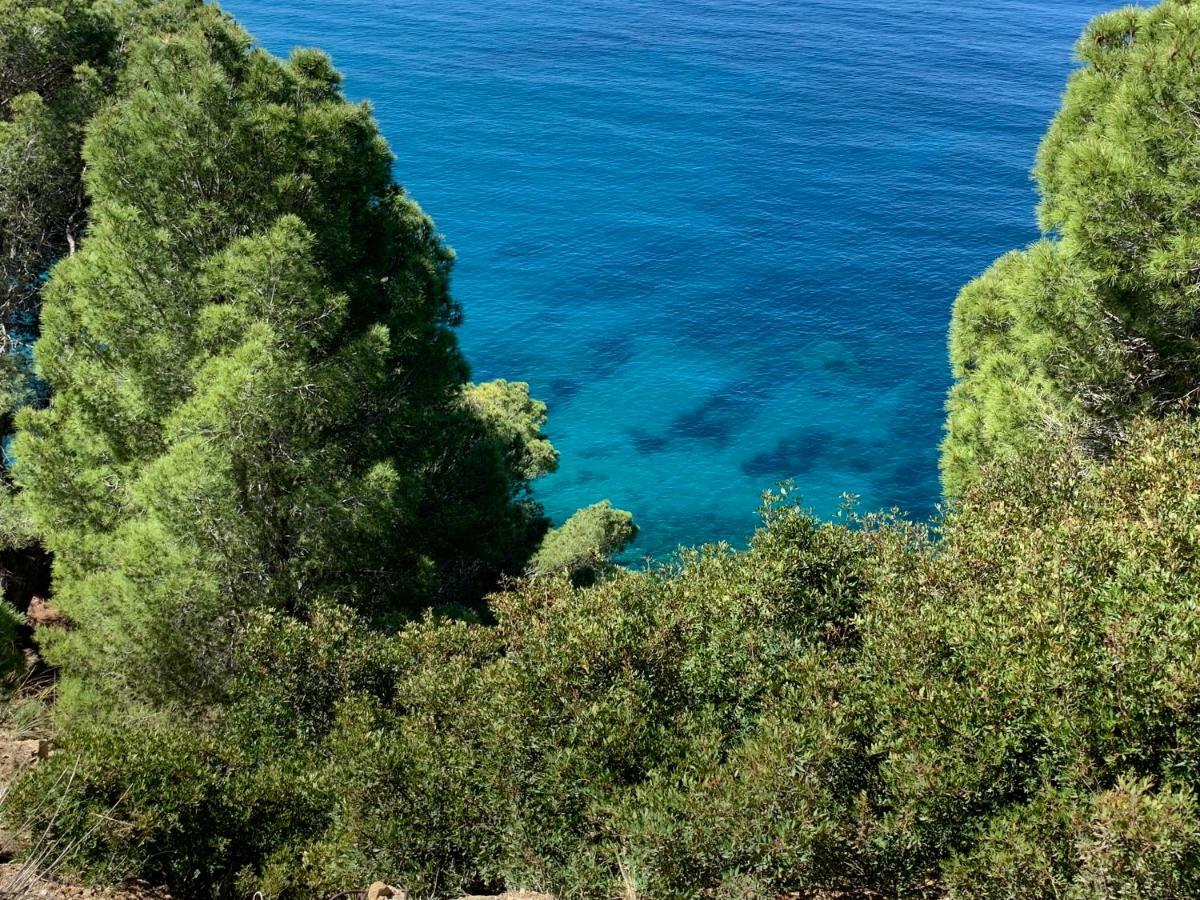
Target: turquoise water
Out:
[721,238]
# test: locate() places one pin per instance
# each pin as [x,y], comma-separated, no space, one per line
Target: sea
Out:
[719,238]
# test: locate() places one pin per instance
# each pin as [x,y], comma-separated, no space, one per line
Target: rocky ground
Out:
[17,754]
[15,885]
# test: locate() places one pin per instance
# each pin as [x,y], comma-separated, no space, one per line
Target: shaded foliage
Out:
[54,65]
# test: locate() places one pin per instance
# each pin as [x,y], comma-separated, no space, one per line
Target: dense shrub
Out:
[1007,711]
[1139,843]
[1128,842]
[584,545]
[1046,644]
[455,756]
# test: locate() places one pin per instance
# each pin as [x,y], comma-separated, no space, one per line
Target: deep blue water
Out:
[721,238]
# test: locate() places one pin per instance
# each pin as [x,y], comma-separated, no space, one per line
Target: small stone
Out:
[382,891]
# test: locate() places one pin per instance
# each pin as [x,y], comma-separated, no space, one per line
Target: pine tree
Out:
[1100,321]
[258,400]
[54,62]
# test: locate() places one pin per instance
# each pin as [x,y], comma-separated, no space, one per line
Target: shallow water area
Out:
[721,238]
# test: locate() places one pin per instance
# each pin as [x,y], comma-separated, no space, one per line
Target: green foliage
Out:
[1097,323]
[53,60]
[1008,711]
[55,65]
[584,545]
[193,808]
[12,660]
[1128,842]
[258,399]
[267,480]
[451,756]
[514,420]
[1140,843]
[1046,642]
[782,808]
[480,517]
[1023,851]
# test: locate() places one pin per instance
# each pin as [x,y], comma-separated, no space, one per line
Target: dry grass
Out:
[628,884]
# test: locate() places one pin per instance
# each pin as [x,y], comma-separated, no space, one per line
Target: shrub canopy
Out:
[1008,711]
